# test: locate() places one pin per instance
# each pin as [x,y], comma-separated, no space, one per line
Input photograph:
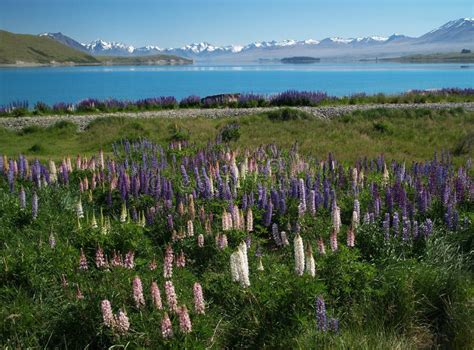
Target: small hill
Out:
[33,49]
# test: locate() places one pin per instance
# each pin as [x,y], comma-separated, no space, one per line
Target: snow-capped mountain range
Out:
[450,36]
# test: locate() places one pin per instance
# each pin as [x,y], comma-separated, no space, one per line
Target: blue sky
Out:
[171,23]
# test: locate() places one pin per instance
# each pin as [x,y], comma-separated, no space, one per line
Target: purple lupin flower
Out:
[386,226]
[34,205]
[395,223]
[321,314]
[334,325]
[22,198]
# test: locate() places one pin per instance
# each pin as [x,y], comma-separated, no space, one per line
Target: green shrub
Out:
[285,114]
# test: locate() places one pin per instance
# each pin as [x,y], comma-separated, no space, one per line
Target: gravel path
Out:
[319,112]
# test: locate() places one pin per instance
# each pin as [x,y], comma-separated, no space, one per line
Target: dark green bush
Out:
[285,114]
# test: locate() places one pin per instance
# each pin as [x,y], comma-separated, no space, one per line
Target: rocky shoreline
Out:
[326,112]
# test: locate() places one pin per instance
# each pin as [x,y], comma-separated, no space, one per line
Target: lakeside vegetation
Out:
[290,98]
[193,233]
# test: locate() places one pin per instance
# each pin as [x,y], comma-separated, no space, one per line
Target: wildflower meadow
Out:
[216,246]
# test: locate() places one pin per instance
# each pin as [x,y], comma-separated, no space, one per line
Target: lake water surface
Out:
[72,84]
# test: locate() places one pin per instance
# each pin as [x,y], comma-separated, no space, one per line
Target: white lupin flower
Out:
[94,221]
[190,228]
[355,219]
[79,210]
[53,173]
[386,175]
[260,264]
[310,263]
[234,269]
[244,265]
[299,255]
[249,220]
[123,213]
[284,238]
[336,217]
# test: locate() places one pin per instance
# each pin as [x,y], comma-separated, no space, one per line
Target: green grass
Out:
[35,49]
[399,134]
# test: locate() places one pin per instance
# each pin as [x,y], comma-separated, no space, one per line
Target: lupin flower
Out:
[34,205]
[336,217]
[168,262]
[152,266]
[200,240]
[22,198]
[122,324]
[333,240]
[166,327]
[123,213]
[190,228]
[321,247]
[156,296]
[171,297]
[129,261]
[199,306]
[249,220]
[299,255]
[260,264]
[334,325]
[184,320]
[276,234]
[64,283]
[386,226]
[181,260]
[107,314]
[321,314]
[234,266]
[83,261]
[79,295]
[284,238]
[350,237]
[99,258]
[138,292]
[79,210]
[310,263]
[94,222]
[222,241]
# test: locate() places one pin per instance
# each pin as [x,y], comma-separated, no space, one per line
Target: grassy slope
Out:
[35,49]
[454,57]
[410,135]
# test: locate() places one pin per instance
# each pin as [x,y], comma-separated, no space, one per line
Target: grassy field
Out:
[229,245]
[399,134]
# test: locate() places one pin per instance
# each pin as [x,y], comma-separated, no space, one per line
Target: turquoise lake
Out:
[72,84]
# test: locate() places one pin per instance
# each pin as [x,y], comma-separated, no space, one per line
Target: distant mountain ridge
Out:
[451,36]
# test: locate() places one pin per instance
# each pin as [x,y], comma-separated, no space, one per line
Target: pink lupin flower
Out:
[138,292]
[200,240]
[166,327]
[333,240]
[129,261]
[99,258]
[152,266]
[171,296]
[83,261]
[350,237]
[107,314]
[156,296]
[79,295]
[64,283]
[181,260]
[198,299]
[184,320]
[116,260]
[122,324]
[168,262]
[321,247]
